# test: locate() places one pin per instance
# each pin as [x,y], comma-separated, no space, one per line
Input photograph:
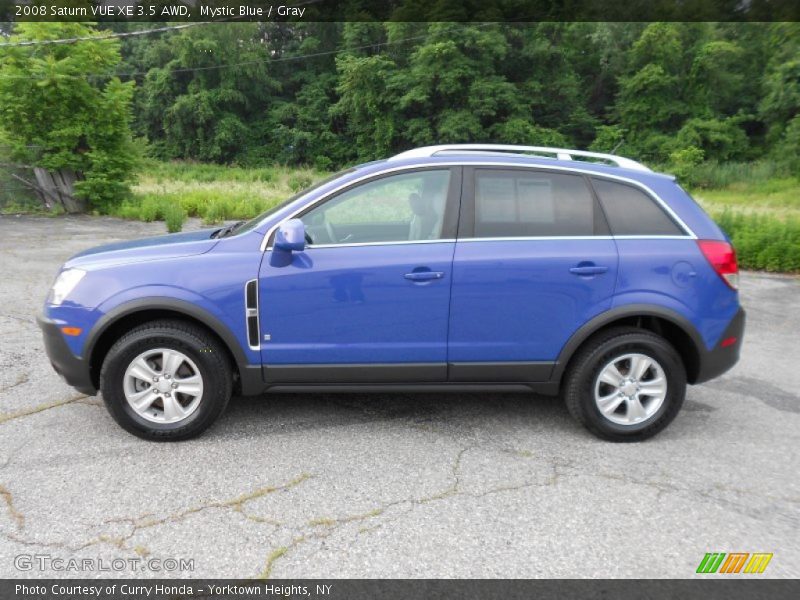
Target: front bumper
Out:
[715,362]
[73,369]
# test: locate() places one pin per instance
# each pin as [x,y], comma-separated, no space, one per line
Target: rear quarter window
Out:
[632,212]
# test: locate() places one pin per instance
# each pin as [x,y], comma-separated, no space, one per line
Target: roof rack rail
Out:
[500,149]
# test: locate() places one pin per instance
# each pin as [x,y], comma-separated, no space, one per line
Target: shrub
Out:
[300,181]
[722,140]
[788,151]
[609,138]
[322,163]
[684,162]
[174,216]
[216,211]
[150,209]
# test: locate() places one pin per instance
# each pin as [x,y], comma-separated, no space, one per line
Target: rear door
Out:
[534,261]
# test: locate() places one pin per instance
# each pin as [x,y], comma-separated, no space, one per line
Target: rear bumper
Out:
[725,354]
[73,369]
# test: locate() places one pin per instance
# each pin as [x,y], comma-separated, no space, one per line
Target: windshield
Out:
[253,223]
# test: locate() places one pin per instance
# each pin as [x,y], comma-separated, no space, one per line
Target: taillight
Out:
[722,257]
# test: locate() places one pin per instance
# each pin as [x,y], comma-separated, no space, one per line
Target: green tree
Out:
[370,115]
[780,103]
[716,79]
[300,126]
[599,54]
[329,94]
[651,102]
[548,90]
[215,83]
[686,87]
[455,88]
[62,108]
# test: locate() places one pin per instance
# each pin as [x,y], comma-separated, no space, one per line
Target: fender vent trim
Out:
[251,314]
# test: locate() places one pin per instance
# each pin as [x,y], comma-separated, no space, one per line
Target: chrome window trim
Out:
[397,243]
[558,168]
[502,239]
[536,238]
[655,237]
[541,238]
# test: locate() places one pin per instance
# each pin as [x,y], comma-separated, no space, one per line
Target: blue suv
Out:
[465,267]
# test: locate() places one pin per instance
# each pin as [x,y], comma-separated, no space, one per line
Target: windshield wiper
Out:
[226,231]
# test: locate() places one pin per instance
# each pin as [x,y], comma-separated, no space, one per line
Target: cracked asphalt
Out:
[381,485]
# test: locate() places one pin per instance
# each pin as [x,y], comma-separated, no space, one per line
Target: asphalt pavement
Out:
[388,485]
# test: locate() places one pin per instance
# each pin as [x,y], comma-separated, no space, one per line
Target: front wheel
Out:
[625,385]
[166,380]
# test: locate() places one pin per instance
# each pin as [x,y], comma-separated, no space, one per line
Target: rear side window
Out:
[516,203]
[632,212]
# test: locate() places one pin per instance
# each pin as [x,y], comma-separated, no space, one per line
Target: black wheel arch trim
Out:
[622,312]
[250,375]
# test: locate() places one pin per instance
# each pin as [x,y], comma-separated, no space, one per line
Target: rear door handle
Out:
[588,270]
[424,275]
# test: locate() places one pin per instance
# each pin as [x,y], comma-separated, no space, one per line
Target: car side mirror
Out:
[291,236]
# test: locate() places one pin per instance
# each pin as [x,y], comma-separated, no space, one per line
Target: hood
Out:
[164,246]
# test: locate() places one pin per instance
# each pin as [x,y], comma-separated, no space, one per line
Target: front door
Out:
[368,299]
[534,261]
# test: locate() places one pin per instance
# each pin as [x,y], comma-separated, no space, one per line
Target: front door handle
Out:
[424,275]
[586,270]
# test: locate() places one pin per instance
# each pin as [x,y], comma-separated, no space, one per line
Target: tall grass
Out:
[174,191]
[777,199]
[714,175]
[762,241]
[205,173]
[212,207]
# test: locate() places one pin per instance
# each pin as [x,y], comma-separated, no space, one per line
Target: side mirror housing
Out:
[291,236]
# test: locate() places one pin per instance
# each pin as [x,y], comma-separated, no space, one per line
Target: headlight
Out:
[64,284]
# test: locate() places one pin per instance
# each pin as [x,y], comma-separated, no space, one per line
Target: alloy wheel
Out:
[630,389]
[163,385]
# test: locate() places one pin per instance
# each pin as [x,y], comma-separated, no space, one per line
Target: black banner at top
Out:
[399,10]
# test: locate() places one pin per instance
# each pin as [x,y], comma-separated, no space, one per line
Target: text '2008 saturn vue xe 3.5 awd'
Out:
[464,267]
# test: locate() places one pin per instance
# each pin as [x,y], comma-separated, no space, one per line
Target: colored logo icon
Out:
[734,562]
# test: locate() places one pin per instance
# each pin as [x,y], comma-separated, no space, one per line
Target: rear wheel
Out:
[625,384]
[166,380]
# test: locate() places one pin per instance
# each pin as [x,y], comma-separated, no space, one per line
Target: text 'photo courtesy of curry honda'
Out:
[461,268]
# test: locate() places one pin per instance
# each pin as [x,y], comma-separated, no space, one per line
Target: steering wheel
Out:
[309,239]
[331,234]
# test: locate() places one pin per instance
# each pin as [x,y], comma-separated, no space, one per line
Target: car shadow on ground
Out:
[285,413]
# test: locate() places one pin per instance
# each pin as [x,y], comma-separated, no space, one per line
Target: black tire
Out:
[598,351]
[196,343]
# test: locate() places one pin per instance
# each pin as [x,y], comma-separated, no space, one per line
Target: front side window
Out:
[516,203]
[255,222]
[398,208]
